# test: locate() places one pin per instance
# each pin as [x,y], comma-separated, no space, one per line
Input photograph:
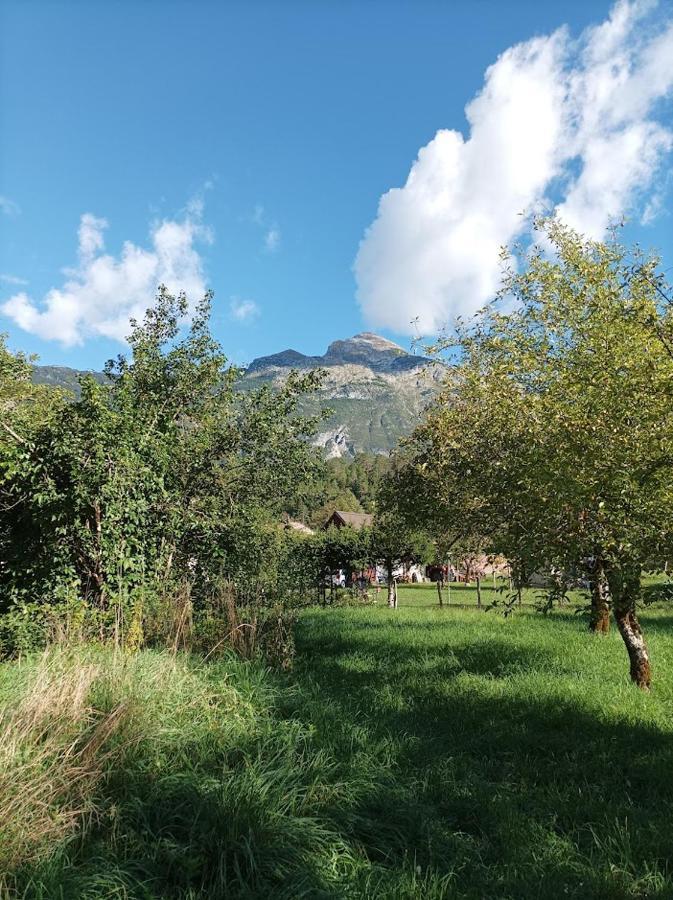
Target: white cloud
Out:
[272,234]
[9,207]
[573,125]
[243,310]
[102,292]
[272,240]
[90,236]
[13,279]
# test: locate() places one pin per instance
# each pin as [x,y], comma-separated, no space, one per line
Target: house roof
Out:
[354,519]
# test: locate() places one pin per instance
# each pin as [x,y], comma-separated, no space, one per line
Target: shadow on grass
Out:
[448,765]
[511,793]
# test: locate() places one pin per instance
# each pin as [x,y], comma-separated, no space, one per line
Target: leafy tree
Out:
[554,433]
[393,543]
[347,549]
[25,408]
[161,474]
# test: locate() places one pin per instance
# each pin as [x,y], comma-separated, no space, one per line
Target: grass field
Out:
[416,753]
[423,596]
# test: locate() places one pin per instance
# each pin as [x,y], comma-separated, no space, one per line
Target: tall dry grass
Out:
[52,756]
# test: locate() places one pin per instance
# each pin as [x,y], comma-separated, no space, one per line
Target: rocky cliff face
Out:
[375,389]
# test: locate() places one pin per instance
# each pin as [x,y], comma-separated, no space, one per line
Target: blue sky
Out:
[268,132]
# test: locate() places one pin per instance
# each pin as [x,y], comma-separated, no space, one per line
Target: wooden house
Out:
[341,519]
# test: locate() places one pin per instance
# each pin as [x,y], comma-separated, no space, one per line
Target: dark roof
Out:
[354,519]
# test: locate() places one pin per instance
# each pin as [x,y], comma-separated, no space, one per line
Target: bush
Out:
[30,626]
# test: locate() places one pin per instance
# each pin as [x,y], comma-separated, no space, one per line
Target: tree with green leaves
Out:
[395,544]
[554,433]
[161,474]
[346,549]
[25,409]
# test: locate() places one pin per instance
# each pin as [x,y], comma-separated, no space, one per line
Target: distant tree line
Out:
[351,485]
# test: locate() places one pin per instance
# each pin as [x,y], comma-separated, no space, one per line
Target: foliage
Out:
[394,543]
[349,485]
[159,476]
[25,409]
[388,542]
[553,437]
[321,555]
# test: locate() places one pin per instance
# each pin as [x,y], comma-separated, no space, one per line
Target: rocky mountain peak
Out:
[367,341]
[375,390]
[364,349]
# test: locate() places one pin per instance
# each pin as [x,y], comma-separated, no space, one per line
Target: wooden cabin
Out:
[341,519]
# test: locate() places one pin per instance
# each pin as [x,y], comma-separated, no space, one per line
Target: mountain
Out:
[62,377]
[375,389]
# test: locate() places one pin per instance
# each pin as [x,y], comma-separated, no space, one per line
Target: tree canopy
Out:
[553,436]
[161,474]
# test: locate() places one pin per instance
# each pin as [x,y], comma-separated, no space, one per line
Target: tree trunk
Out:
[439,592]
[478,592]
[395,591]
[625,589]
[392,593]
[639,657]
[599,621]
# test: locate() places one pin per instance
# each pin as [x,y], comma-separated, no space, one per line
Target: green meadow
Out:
[411,753]
[493,594]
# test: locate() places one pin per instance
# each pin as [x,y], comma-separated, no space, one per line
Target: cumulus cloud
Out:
[571,125]
[102,292]
[243,310]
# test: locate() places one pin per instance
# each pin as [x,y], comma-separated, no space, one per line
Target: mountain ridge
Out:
[365,348]
[375,389]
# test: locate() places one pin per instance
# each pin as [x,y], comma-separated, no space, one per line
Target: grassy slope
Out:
[416,753]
